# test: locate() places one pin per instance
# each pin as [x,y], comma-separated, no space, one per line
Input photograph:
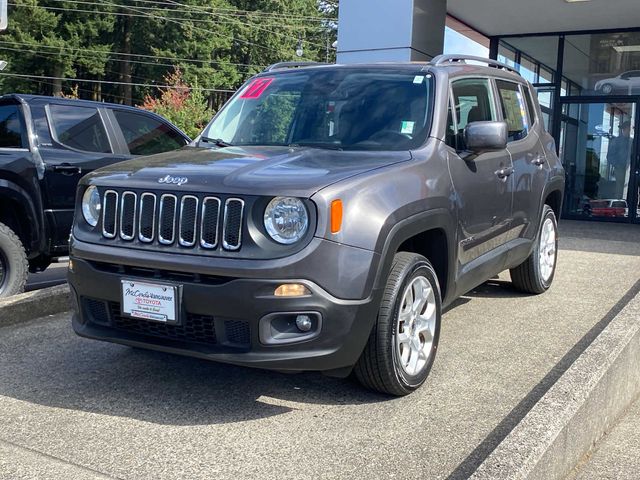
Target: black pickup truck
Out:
[46,145]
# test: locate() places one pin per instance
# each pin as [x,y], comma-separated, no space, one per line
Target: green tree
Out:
[183,105]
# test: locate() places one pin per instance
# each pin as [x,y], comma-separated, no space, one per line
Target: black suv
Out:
[46,145]
[325,217]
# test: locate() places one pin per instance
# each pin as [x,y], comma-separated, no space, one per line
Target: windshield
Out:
[342,108]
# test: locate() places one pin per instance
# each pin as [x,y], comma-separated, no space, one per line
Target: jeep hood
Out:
[299,171]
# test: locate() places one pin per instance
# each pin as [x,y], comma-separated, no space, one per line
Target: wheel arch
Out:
[428,234]
[20,214]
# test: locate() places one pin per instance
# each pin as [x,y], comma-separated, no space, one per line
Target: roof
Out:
[27,98]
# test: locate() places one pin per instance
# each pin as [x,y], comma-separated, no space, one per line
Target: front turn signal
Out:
[336,216]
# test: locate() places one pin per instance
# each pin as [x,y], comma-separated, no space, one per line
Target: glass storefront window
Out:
[603,63]
[597,144]
[528,70]
[536,57]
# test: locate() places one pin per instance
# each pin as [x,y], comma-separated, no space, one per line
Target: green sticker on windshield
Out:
[407,127]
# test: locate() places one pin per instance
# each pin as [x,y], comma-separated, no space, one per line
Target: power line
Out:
[246,42]
[257,27]
[140,55]
[88,80]
[210,10]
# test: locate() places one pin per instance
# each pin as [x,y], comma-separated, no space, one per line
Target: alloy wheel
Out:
[416,326]
[547,260]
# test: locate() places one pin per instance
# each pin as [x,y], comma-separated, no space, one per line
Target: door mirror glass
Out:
[483,136]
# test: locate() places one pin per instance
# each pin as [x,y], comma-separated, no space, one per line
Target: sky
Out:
[455,42]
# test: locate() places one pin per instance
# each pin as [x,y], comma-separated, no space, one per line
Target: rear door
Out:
[527,153]
[74,140]
[483,185]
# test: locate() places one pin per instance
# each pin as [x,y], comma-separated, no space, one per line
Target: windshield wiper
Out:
[218,142]
[328,146]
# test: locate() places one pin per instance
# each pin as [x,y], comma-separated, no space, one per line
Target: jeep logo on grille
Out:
[173,180]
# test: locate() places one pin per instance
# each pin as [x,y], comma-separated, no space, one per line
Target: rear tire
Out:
[403,342]
[14,267]
[536,273]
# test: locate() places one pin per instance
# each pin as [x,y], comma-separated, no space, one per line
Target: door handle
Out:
[67,169]
[503,173]
[538,162]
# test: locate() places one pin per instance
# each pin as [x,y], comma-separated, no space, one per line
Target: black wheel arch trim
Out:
[435,219]
[35,215]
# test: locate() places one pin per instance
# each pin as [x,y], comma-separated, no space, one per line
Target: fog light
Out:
[70,265]
[303,322]
[291,290]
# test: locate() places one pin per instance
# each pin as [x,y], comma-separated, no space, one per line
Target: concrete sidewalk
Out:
[617,455]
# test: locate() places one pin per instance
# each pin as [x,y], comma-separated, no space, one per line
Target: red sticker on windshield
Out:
[256,88]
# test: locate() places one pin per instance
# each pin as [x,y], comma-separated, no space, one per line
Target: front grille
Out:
[194,328]
[186,221]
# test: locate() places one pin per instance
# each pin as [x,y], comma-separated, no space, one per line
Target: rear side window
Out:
[145,135]
[12,131]
[80,128]
[513,109]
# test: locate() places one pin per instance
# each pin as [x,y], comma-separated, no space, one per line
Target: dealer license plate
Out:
[150,301]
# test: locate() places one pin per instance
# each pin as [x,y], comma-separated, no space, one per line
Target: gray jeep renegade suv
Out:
[323,219]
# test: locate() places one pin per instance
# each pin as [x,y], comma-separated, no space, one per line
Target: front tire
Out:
[14,267]
[404,340]
[536,273]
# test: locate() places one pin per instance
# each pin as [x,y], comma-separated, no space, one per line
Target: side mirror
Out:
[483,136]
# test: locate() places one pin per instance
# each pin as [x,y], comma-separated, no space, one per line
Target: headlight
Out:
[286,219]
[91,205]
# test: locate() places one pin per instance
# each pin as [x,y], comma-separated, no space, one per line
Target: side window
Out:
[145,135]
[473,102]
[80,128]
[12,131]
[513,109]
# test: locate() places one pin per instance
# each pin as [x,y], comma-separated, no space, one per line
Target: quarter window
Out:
[11,127]
[80,128]
[145,135]
[513,109]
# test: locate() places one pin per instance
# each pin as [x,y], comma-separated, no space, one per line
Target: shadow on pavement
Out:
[56,369]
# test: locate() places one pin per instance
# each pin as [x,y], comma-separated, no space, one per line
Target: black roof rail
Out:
[283,65]
[444,59]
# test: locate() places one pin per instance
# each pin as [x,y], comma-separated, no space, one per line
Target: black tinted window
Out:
[80,127]
[145,135]
[11,127]
[513,110]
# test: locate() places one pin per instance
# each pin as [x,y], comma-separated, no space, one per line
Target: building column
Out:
[390,30]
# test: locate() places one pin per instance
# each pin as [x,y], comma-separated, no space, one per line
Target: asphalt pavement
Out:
[75,408]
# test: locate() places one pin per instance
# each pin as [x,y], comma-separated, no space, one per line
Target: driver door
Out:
[483,185]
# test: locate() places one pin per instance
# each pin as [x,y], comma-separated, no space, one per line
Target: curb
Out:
[36,304]
[577,410]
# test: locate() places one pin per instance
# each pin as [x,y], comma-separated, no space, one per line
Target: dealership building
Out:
[582,56]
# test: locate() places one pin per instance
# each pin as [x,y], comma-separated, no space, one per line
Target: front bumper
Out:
[221,317]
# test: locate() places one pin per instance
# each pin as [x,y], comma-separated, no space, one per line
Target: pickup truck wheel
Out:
[536,273]
[403,342]
[14,267]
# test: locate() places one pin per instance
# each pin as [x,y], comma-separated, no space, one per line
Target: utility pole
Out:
[4,20]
